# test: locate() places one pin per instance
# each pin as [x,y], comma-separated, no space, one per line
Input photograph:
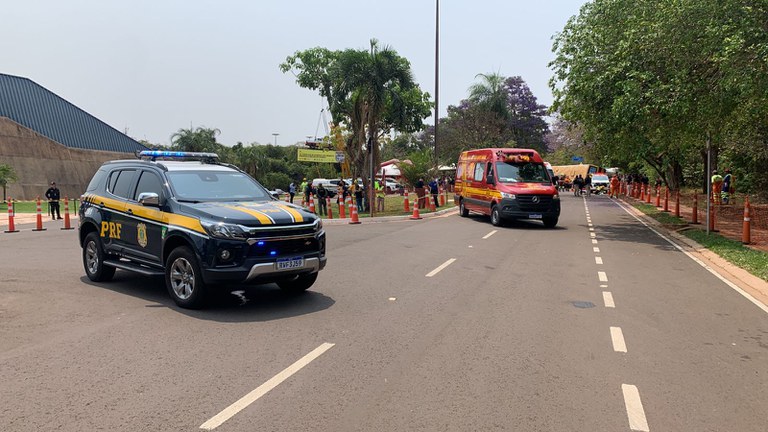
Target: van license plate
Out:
[289,263]
[535,216]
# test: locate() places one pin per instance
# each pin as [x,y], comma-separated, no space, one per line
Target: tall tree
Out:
[7,175]
[370,91]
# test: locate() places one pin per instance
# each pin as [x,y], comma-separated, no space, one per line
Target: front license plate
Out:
[289,263]
[535,216]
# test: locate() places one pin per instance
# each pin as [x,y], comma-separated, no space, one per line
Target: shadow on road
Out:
[229,303]
[527,224]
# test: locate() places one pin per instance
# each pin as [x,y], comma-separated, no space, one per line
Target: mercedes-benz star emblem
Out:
[535,200]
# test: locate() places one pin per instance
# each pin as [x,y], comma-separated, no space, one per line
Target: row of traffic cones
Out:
[38,219]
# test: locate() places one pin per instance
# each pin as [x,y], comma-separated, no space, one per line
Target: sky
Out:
[151,67]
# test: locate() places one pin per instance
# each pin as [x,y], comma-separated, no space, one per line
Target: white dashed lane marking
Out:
[617,337]
[490,234]
[261,390]
[635,412]
[442,266]
[602,276]
[596,249]
[598,260]
[608,299]
[594,241]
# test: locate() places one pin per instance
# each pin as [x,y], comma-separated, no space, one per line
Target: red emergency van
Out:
[506,183]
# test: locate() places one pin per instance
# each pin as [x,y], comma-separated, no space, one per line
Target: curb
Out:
[753,285]
[382,219]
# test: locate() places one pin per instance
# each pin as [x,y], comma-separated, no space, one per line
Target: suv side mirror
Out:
[489,180]
[149,199]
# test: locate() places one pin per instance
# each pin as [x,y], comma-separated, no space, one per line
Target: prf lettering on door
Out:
[111,229]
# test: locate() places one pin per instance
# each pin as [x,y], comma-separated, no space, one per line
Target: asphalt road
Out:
[446,324]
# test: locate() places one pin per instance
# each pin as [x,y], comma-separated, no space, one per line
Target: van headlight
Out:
[508,195]
[224,230]
[556,196]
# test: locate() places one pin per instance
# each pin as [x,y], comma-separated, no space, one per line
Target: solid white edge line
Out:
[617,337]
[598,260]
[635,412]
[602,276]
[490,234]
[699,262]
[608,299]
[261,390]
[442,266]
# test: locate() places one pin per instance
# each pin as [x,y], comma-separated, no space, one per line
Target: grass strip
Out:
[663,218]
[733,251]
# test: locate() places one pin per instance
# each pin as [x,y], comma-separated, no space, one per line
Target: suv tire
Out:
[298,284]
[183,278]
[93,260]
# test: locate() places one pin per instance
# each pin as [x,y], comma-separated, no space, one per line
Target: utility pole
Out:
[437,74]
[275,135]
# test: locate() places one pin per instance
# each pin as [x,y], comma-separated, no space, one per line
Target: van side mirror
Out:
[489,180]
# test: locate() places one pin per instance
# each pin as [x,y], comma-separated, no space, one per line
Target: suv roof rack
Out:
[153,155]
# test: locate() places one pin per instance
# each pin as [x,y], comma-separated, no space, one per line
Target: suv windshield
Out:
[216,186]
[526,172]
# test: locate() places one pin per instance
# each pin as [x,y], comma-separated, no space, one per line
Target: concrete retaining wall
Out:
[38,161]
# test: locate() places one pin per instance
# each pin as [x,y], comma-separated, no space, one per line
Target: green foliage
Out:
[420,167]
[275,180]
[370,91]
[7,175]
[652,82]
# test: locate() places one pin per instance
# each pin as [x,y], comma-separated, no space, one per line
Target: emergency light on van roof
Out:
[154,154]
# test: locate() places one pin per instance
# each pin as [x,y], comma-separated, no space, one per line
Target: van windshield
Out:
[525,172]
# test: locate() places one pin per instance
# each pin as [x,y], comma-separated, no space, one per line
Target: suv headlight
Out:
[508,195]
[224,230]
[318,224]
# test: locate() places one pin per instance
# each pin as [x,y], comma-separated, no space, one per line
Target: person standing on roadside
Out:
[614,187]
[727,188]
[717,186]
[379,195]
[53,195]
[322,194]
[434,190]
[292,190]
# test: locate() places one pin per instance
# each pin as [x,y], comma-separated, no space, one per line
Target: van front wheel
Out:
[463,212]
[495,216]
[550,222]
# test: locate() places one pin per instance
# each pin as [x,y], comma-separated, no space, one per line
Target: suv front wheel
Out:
[93,260]
[184,279]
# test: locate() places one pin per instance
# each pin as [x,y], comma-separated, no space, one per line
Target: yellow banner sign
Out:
[327,156]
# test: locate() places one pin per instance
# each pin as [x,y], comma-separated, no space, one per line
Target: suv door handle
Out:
[130,212]
[101,205]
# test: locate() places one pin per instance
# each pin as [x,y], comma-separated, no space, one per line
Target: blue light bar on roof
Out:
[176,154]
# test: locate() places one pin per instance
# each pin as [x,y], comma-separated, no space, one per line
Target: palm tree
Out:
[491,94]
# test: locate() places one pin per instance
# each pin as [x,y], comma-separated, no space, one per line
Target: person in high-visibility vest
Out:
[379,196]
[717,185]
[614,186]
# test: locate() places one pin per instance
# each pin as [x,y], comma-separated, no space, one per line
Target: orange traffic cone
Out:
[11,224]
[342,207]
[666,199]
[712,212]
[648,194]
[287,197]
[642,193]
[442,198]
[329,208]
[746,231]
[415,215]
[39,217]
[353,213]
[677,203]
[312,203]
[658,196]
[67,226]
[432,203]
[406,202]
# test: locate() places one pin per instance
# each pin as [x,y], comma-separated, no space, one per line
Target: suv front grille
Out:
[283,231]
[525,202]
[282,247]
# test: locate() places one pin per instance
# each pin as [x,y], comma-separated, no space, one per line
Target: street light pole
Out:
[437,69]
[275,135]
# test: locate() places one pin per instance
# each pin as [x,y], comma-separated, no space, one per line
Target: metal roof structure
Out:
[37,108]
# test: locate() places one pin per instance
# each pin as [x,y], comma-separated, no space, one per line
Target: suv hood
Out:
[255,213]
